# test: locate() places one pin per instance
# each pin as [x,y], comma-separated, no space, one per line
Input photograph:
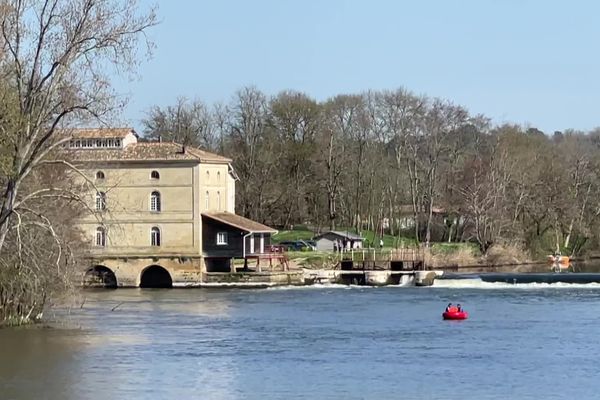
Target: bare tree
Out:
[188,123]
[55,57]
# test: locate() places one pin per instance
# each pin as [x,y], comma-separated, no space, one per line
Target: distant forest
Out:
[378,159]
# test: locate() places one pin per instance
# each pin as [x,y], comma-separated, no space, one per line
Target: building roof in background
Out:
[239,222]
[408,209]
[147,151]
[99,133]
[342,235]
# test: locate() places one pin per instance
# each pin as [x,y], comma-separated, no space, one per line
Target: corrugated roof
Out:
[344,235]
[147,151]
[239,222]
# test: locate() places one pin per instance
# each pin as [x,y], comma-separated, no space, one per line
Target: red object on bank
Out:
[455,315]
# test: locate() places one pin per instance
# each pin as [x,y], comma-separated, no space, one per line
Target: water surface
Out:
[521,342]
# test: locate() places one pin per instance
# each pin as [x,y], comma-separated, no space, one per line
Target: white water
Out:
[477,283]
[474,283]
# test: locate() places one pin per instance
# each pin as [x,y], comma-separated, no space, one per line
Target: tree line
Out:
[378,159]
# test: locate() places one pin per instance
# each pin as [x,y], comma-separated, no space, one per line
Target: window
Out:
[218,200]
[222,238]
[154,175]
[207,200]
[207,176]
[219,176]
[100,201]
[155,202]
[155,236]
[100,237]
[99,175]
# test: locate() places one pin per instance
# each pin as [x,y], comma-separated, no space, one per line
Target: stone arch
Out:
[100,276]
[155,276]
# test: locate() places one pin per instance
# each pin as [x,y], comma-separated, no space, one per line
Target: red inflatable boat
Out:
[455,315]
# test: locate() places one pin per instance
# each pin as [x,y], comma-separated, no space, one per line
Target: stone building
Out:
[154,208]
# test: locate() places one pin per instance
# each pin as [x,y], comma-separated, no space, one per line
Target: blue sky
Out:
[530,62]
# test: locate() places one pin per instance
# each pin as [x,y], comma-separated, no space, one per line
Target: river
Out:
[534,341]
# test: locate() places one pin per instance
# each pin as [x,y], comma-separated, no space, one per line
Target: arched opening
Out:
[99,175]
[100,201]
[155,276]
[100,237]
[155,236]
[100,276]
[154,175]
[155,204]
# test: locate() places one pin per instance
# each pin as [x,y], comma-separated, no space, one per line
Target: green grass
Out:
[371,238]
[389,241]
[284,236]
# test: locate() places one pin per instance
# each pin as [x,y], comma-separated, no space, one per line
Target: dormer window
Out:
[154,175]
[99,175]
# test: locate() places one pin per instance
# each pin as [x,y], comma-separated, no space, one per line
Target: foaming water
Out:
[476,283]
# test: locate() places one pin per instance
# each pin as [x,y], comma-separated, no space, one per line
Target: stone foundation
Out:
[252,279]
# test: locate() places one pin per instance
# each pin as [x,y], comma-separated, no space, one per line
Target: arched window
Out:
[207,176]
[100,201]
[207,200]
[100,237]
[155,202]
[218,200]
[155,236]
[154,175]
[99,175]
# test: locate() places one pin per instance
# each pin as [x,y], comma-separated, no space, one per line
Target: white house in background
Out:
[334,240]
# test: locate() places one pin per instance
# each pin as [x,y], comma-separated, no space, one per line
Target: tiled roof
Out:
[98,133]
[147,151]
[239,222]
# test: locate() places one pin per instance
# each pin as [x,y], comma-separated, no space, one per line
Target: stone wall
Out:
[184,271]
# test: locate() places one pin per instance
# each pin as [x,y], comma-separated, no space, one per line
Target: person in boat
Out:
[458,308]
[449,307]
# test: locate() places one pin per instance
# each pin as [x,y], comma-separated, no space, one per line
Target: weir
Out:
[373,267]
[557,277]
